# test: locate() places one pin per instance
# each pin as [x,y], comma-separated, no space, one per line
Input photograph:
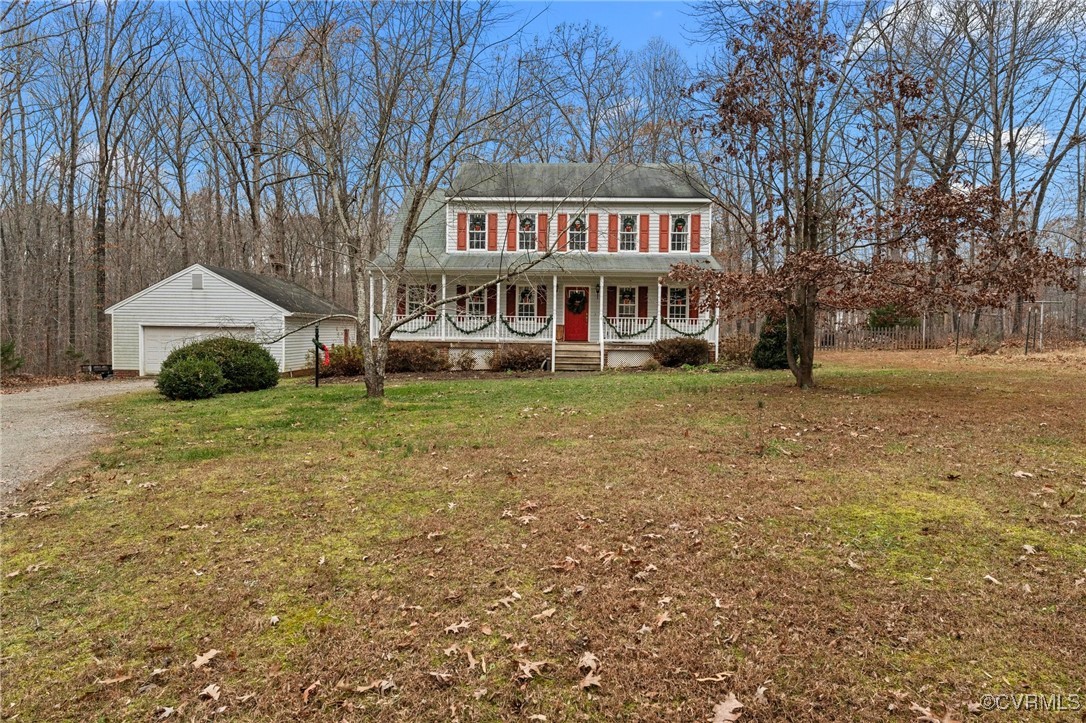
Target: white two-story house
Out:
[588,247]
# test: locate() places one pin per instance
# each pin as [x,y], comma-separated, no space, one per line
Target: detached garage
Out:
[204,301]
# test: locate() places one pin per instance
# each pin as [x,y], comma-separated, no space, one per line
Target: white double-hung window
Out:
[476,304]
[627,234]
[578,234]
[627,302]
[477,232]
[680,232]
[416,298]
[677,303]
[526,305]
[527,236]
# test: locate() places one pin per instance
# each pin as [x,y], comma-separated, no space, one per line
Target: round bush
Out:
[680,351]
[771,350]
[191,379]
[245,365]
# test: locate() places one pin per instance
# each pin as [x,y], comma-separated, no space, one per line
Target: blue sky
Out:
[632,24]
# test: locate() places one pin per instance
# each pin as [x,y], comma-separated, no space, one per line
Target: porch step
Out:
[574,357]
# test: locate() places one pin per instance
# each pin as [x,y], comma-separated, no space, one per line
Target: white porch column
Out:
[659,305]
[554,321]
[498,313]
[441,310]
[603,310]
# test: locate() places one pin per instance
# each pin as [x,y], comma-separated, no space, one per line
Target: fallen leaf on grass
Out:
[211,691]
[114,681]
[545,614]
[718,678]
[202,660]
[926,716]
[529,668]
[661,619]
[1023,475]
[759,695]
[246,697]
[727,710]
[441,677]
[458,627]
[588,661]
[164,713]
[309,691]
[854,565]
[381,686]
[989,578]
[590,681]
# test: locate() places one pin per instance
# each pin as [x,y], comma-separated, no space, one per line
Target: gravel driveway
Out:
[41,429]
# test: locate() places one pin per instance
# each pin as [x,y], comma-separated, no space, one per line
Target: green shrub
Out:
[343,361]
[192,378]
[245,365]
[771,350]
[415,356]
[679,351]
[519,358]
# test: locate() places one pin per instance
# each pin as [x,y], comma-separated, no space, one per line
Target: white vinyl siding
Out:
[299,345]
[218,305]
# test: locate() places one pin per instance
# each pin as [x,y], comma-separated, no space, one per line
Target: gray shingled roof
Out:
[576,180]
[286,294]
[428,255]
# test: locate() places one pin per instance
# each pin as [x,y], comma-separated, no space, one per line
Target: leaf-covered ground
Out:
[599,547]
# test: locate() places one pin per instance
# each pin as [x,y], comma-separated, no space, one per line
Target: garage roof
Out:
[284,294]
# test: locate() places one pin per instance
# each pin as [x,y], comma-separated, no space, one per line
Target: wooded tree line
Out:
[282,137]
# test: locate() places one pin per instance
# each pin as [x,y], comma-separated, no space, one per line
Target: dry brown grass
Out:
[831,546]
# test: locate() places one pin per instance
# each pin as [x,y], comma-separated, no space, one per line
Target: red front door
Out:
[576,321]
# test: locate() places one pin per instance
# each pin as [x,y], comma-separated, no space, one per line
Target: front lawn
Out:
[912,532]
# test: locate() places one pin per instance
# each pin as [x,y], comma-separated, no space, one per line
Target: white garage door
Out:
[159,341]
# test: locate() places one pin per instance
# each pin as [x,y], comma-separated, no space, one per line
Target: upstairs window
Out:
[627,302]
[527,236]
[578,234]
[680,233]
[526,301]
[627,234]
[477,232]
[476,304]
[676,303]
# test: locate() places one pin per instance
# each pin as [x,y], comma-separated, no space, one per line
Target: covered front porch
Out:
[619,315]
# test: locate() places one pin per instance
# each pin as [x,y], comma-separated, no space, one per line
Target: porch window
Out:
[477,232]
[676,303]
[578,234]
[416,298]
[526,301]
[476,304]
[627,236]
[627,302]
[680,233]
[527,236]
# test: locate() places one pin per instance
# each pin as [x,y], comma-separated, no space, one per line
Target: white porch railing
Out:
[629,328]
[701,328]
[478,328]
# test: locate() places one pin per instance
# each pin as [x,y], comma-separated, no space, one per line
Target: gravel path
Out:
[41,429]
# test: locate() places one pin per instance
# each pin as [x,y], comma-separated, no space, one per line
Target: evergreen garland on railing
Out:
[416,330]
[476,330]
[632,334]
[537,332]
[699,332]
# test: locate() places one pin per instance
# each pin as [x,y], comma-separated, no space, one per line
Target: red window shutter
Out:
[541,229]
[695,233]
[593,232]
[665,240]
[541,300]
[663,302]
[511,301]
[562,232]
[644,233]
[612,301]
[492,300]
[612,233]
[462,303]
[692,297]
[461,231]
[492,232]
[431,298]
[401,300]
[511,233]
[346,337]
[643,301]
